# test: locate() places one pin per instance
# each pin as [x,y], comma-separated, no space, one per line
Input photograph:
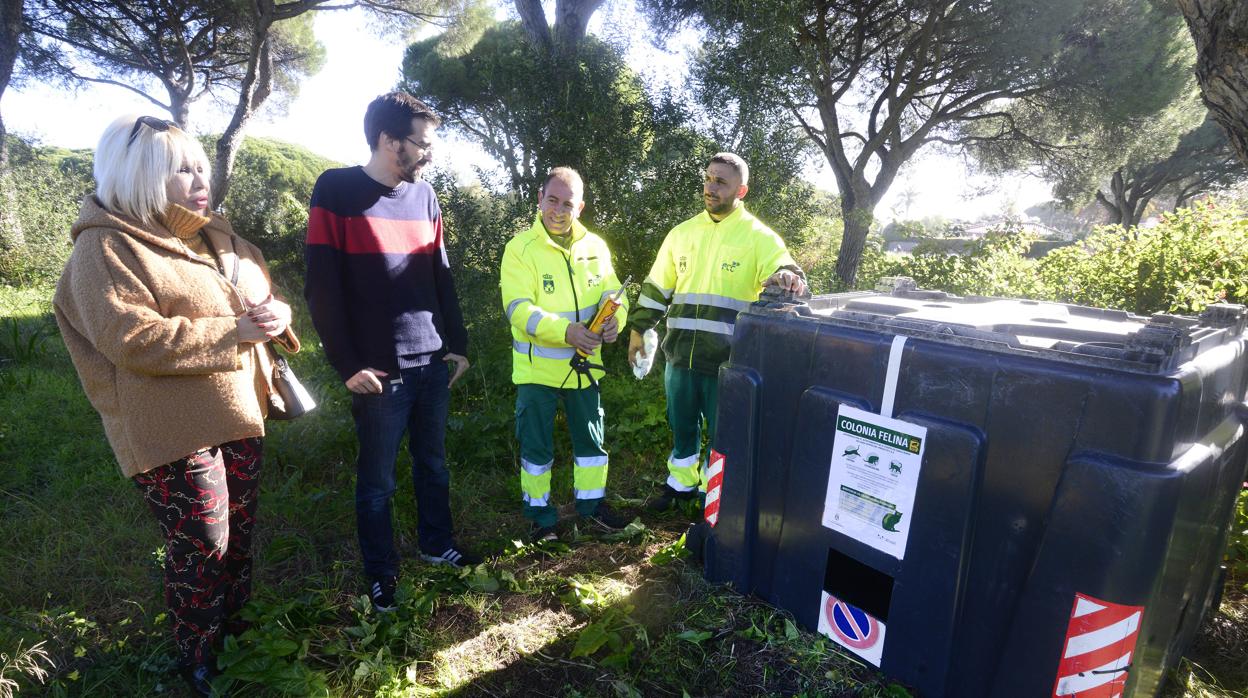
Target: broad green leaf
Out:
[697,637]
[590,640]
[790,630]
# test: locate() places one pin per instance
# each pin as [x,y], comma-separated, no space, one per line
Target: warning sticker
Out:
[714,486]
[873,478]
[1100,641]
[852,628]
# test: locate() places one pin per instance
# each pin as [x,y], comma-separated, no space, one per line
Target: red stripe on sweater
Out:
[364,235]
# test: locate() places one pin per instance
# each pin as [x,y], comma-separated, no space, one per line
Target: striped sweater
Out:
[378,282]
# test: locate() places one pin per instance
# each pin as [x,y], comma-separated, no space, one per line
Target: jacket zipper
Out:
[693,343]
[576,303]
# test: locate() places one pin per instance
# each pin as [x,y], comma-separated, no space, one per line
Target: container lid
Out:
[1072,333]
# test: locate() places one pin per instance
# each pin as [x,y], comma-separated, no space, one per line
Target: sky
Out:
[327,118]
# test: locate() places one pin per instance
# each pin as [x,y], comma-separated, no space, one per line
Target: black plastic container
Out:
[1068,450]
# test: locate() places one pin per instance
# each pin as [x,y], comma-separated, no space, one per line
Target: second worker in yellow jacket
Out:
[554,275]
[708,269]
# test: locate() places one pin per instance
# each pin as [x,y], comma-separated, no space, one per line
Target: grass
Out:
[596,615]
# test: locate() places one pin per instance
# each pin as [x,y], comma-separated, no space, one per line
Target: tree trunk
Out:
[533,18]
[1134,211]
[11,28]
[180,109]
[571,23]
[857,213]
[1115,213]
[256,87]
[1119,206]
[12,237]
[1220,30]
[1129,200]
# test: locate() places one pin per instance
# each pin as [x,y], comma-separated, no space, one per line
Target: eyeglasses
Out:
[151,122]
[422,146]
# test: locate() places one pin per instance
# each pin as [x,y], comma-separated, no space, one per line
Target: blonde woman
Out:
[166,313]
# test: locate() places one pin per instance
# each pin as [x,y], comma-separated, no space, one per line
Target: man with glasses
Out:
[708,268]
[381,296]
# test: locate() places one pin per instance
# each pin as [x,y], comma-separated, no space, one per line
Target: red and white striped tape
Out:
[1100,640]
[714,484]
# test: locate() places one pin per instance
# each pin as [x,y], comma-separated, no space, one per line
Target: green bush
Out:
[45,188]
[267,203]
[1194,257]
[268,199]
[995,265]
[477,225]
[1237,549]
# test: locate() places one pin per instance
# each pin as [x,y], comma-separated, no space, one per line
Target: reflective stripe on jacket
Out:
[544,289]
[705,273]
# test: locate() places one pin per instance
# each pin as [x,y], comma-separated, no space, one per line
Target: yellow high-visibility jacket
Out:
[544,289]
[705,273]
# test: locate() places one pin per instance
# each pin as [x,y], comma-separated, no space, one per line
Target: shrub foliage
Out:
[1193,257]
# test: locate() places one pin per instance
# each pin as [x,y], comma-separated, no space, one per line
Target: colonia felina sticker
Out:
[873,478]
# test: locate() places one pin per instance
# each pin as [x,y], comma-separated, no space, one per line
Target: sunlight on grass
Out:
[614,589]
[500,645]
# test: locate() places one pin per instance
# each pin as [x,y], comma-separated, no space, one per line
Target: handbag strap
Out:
[238,262]
[220,262]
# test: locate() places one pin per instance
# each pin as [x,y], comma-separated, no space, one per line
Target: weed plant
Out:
[593,615]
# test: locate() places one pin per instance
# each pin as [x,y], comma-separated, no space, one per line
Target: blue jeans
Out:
[419,406]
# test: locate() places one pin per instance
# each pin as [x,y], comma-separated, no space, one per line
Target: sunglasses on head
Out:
[151,122]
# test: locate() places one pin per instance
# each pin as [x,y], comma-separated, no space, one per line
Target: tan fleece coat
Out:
[152,331]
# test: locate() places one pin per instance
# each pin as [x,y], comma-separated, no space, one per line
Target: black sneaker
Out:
[453,556]
[608,518]
[543,534]
[667,496]
[199,678]
[382,594]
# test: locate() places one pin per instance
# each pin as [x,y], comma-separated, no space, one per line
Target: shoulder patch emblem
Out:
[682,265]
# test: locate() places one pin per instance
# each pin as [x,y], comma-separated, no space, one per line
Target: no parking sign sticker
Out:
[852,628]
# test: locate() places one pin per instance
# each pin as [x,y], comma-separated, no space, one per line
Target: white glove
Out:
[645,358]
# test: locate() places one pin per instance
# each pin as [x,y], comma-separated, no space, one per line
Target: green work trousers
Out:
[535,421]
[692,397]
